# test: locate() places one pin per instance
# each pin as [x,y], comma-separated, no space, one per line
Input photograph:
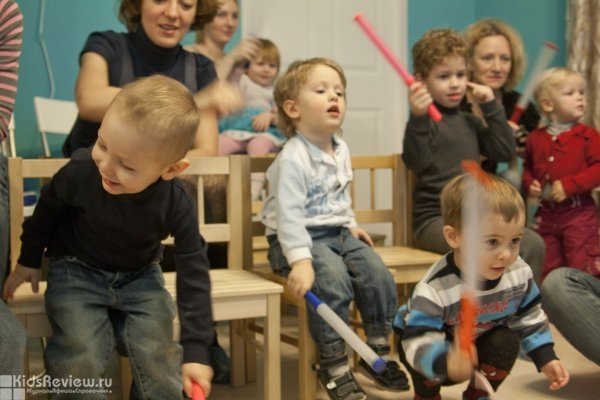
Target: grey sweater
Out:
[434,151]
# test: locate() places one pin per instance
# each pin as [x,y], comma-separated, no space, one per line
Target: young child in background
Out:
[434,150]
[562,166]
[253,130]
[509,308]
[313,237]
[101,220]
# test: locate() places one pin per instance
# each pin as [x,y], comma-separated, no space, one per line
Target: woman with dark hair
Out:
[151,46]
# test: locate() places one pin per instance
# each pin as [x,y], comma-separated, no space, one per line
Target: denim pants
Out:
[13,337]
[346,269]
[572,299]
[92,312]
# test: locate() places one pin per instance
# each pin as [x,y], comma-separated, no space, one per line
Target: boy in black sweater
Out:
[101,221]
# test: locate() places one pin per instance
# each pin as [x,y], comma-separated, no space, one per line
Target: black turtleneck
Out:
[147,59]
[434,151]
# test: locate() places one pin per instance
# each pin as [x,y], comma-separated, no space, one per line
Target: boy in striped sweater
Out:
[509,309]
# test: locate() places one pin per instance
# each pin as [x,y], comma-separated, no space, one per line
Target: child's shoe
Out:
[344,387]
[392,377]
[474,394]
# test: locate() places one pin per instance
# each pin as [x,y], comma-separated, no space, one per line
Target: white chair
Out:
[8,146]
[54,116]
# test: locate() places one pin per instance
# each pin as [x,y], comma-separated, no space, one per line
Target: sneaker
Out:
[219,361]
[392,377]
[344,387]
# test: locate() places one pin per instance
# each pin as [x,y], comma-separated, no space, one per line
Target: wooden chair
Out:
[374,178]
[236,293]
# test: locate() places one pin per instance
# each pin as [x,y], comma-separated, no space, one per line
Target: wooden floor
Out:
[524,383]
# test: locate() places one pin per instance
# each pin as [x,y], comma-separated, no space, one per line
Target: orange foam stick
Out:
[467,317]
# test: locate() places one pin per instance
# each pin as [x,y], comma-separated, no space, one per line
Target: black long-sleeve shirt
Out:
[434,151]
[75,216]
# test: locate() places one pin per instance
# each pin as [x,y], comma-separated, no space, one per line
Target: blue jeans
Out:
[13,337]
[572,299]
[346,269]
[92,312]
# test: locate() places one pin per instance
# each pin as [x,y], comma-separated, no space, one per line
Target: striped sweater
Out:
[429,319]
[11,31]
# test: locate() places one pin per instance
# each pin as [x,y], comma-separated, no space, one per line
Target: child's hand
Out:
[222,96]
[245,50]
[302,277]
[19,275]
[199,373]
[535,189]
[481,93]
[262,121]
[419,98]
[361,234]
[558,192]
[459,365]
[556,373]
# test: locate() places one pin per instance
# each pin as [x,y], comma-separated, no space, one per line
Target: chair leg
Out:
[126,378]
[237,354]
[250,350]
[307,357]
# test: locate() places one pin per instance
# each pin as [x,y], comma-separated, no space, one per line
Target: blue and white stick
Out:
[377,363]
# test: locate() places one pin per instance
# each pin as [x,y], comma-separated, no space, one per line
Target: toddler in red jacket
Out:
[562,166]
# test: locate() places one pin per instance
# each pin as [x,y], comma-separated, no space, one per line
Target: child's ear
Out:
[546,105]
[418,77]
[452,236]
[175,169]
[290,109]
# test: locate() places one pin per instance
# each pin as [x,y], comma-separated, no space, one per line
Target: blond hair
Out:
[130,13]
[496,195]
[289,84]
[433,47]
[163,111]
[550,79]
[268,51]
[494,27]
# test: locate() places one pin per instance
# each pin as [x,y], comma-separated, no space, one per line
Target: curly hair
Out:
[130,13]
[494,27]
[434,46]
[289,84]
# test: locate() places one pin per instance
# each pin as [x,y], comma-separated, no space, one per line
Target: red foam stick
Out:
[408,79]
[197,392]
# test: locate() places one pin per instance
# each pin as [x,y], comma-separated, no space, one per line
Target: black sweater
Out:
[434,151]
[75,216]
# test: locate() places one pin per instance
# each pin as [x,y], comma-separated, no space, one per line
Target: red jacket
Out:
[573,157]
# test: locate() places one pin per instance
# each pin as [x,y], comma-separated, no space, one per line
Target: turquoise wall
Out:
[69,22]
[536,20]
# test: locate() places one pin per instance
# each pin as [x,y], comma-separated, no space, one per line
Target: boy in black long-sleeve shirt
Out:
[101,221]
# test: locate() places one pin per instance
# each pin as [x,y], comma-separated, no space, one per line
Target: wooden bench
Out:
[381,194]
[236,294]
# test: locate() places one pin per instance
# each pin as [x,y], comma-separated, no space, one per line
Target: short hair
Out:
[288,86]
[433,47]
[494,27]
[495,195]
[163,110]
[130,13]
[269,51]
[549,79]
